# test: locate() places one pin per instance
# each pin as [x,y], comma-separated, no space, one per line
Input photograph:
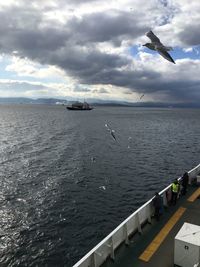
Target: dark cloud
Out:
[190,35]
[124,78]
[128,92]
[179,90]
[81,89]
[100,91]
[73,47]
[112,26]
[24,30]
[164,2]
[103,91]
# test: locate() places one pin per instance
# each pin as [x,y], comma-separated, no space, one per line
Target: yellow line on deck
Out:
[194,196]
[154,245]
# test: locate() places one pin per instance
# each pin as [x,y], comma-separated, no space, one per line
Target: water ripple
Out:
[65,184]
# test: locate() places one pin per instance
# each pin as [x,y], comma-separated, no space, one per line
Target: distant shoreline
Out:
[95,103]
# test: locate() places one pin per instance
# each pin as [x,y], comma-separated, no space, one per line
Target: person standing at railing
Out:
[184,183]
[157,203]
[175,190]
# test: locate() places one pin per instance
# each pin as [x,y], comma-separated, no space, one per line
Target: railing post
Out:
[111,247]
[138,223]
[94,260]
[149,212]
[165,202]
[126,234]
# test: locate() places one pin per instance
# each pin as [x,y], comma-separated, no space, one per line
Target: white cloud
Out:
[188,49]
[71,45]
[27,68]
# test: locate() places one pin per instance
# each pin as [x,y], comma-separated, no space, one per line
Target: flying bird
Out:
[129,139]
[102,187]
[93,159]
[141,96]
[111,132]
[158,46]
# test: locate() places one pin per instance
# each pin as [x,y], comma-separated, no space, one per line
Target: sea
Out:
[66,182]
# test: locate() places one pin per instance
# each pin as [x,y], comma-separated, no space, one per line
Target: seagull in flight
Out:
[111,131]
[141,96]
[158,46]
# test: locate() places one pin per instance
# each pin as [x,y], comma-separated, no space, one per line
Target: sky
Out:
[85,49]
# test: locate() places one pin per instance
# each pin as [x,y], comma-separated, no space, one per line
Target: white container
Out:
[187,246]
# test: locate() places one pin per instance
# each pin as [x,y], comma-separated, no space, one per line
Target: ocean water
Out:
[65,183]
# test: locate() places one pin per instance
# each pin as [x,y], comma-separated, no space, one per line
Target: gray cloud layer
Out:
[72,46]
[190,36]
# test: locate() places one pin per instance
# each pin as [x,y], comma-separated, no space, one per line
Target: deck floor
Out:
[128,256]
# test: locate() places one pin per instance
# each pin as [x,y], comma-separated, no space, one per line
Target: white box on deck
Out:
[198,179]
[187,246]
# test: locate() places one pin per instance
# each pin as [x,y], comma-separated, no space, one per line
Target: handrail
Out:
[106,248]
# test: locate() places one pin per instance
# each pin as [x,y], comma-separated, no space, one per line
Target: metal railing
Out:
[133,224]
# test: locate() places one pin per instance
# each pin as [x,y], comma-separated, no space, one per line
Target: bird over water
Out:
[111,132]
[158,46]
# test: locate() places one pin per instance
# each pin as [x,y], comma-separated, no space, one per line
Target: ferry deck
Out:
[141,240]
[154,247]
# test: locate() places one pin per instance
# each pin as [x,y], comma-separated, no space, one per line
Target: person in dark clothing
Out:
[157,203]
[184,183]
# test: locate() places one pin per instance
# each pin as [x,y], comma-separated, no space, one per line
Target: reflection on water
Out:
[65,183]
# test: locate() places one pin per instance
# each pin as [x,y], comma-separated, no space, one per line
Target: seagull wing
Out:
[153,37]
[165,54]
[141,96]
[113,135]
[106,125]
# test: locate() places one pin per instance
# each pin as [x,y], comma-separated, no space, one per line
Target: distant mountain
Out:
[15,100]
[96,102]
[23,100]
[51,101]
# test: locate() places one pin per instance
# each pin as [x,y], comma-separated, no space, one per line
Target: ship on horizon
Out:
[80,106]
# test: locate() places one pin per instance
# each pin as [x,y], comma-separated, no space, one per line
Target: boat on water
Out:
[140,240]
[80,106]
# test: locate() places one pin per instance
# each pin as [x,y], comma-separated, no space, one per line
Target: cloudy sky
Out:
[93,49]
